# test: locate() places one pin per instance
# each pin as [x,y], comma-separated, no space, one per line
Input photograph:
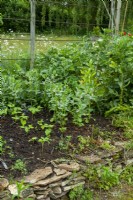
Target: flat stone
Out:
[52,179]
[55,184]
[54,196]
[112,153]
[80,178]
[44,193]
[59,171]
[70,167]
[40,197]
[37,188]
[129,162]
[67,188]
[91,159]
[65,182]
[13,189]
[38,174]
[129,154]
[26,192]
[5,195]
[3,184]
[32,196]
[57,190]
[120,144]
[64,198]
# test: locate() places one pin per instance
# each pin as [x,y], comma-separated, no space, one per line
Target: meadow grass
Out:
[14,49]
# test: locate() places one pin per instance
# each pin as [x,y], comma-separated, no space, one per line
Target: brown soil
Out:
[19,147]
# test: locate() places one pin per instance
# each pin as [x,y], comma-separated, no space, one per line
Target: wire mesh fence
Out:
[60,20]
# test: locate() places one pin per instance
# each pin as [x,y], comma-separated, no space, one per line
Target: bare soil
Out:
[19,147]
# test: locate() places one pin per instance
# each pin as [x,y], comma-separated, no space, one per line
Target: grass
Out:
[14,49]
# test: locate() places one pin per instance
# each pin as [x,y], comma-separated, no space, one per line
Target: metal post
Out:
[118,16]
[32,34]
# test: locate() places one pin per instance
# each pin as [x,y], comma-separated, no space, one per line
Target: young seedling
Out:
[47,127]
[35,110]
[42,140]
[33,139]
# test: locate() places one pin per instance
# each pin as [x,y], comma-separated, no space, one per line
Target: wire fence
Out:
[32,39]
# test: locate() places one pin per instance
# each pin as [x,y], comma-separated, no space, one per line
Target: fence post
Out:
[118,16]
[112,15]
[32,34]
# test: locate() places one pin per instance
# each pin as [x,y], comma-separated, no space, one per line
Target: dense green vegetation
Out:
[62,16]
[78,79]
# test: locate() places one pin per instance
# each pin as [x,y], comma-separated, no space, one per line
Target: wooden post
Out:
[112,15]
[32,34]
[117,27]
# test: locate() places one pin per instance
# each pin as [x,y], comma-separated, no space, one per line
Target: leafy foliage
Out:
[102,177]
[76,80]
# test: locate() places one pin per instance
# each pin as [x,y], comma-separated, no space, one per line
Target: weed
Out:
[65,142]
[20,188]
[127,174]
[28,128]
[107,146]
[83,143]
[2,145]
[47,127]
[35,110]
[79,193]
[33,139]
[20,166]
[102,177]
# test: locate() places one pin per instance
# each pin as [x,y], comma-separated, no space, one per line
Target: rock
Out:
[55,184]
[37,188]
[67,188]
[13,189]
[113,153]
[65,197]
[38,174]
[90,159]
[45,193]
[57,190]
[5,195]
[42,197]
[59,171]
[54,196]
[70,167]
[3,184]
[129,162]
[120,144]
[54,164]
[128,154]
[65,182]
[32,196]
[52,179]
[26,192]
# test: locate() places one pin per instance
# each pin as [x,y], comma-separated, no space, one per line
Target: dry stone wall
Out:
[52,182]
[55,180]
